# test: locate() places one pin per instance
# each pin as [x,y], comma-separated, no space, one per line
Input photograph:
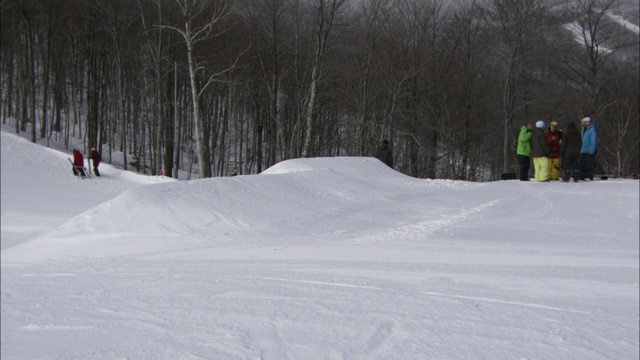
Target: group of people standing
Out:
[78,162]
[571,150]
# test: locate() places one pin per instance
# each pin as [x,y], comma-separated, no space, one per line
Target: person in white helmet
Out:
[540,152]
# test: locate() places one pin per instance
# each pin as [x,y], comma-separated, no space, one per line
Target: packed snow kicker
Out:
[326,258]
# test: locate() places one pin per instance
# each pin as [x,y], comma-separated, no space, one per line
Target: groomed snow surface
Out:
[325,258]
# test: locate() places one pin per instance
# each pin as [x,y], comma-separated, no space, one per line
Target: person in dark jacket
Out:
[570,153]
[96,159]
[524,150]
[78,163]
[540,152]
[384,154]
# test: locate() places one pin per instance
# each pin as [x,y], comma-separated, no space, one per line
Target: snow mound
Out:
[348,166]
[212,212]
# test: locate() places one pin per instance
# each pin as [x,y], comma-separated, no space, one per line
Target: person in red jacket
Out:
[554,137]
[78,163]
[95,158]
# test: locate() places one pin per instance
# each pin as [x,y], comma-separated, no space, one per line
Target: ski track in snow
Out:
[233,303]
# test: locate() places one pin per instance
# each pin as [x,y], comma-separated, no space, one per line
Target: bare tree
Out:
[9,40]
[417,79]
[401,69]
[595,33]
[622,124]
[192,34]
[589,62]
[466,30]
[115,21]
[28,15]
[270,23]
[402,50]
[519,28]
[326,12]
[368,68]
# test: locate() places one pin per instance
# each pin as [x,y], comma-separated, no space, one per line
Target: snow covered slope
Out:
[327,258]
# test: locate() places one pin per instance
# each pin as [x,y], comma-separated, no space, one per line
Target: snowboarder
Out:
[384,154]
[95,158]
[570,153]
[554,138]
[78,164]
[540,151]
[588,151]
[524,150]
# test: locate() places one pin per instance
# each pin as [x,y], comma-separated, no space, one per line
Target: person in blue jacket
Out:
[588,151]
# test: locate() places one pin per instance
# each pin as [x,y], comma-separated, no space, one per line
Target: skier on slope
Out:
[78,163]
[95,158]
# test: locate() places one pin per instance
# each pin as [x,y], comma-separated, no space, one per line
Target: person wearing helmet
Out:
[96,159]
[588,151]
[539,152]
[570,152]
[554,138]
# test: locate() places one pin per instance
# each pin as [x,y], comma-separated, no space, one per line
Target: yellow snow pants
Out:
[554,169]
[541,167]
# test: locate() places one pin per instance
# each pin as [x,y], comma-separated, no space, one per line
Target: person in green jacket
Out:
[524,150]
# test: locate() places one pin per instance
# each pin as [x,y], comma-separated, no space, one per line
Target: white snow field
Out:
[323,258]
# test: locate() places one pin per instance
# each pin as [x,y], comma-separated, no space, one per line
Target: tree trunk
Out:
[31,76]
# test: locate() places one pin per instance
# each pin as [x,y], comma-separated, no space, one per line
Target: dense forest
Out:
[208,86]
